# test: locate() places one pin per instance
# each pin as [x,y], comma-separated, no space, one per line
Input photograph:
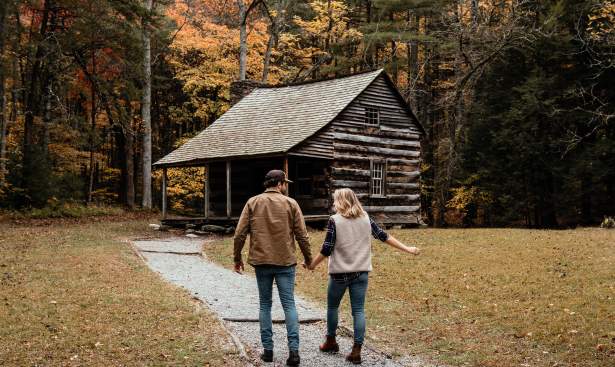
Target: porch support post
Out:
[286,171]
[228,189]
[206,204]
[164,193]
[286,165]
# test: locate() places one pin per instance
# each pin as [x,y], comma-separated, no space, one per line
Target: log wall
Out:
[311,184]
[395,142]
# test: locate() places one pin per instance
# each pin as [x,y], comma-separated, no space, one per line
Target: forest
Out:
[516,96]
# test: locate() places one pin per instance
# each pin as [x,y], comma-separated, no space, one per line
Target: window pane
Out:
[371,116]
[377,179]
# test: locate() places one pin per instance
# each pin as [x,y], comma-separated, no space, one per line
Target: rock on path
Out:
[233,296]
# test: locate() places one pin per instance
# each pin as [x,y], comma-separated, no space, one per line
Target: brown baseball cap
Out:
[277,175]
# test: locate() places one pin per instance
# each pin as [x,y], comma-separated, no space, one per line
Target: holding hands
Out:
[314,263]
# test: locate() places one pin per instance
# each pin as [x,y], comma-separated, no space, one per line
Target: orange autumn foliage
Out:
[205,52]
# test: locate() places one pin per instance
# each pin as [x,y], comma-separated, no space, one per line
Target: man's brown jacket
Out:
[273,221]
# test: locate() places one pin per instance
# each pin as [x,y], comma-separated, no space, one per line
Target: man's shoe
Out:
[267,355]
[330,345]
[293,358]
[355,355]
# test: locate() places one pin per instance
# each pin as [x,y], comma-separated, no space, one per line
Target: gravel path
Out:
[234,297]
[230,295]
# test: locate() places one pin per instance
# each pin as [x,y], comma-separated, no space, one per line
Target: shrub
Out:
[56,209]
[608,222]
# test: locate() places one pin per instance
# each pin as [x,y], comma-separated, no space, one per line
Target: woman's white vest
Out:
[353,245]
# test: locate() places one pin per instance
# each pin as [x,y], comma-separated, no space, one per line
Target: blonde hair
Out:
[347,204]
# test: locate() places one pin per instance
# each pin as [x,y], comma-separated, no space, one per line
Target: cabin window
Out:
[304,181]
[378,174]
[372,116]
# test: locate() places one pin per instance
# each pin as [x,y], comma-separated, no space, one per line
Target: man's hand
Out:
[239,268]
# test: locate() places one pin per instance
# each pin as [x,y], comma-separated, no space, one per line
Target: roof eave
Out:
[405,104]
[202,161]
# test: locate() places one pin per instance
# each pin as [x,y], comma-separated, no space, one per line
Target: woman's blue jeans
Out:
[285,280]
[357,288]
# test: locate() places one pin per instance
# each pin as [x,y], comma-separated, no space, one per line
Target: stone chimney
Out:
[241,88]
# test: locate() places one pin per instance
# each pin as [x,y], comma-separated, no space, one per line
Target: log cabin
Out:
[355,131]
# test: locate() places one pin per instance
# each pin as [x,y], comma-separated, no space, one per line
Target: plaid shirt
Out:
[329,244]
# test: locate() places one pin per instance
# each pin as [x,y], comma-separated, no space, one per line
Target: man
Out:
[274,221]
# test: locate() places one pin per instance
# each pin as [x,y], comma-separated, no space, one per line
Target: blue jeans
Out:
[357,288]
[285,280]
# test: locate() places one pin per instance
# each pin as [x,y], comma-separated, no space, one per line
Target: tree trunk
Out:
[277,22]
[267,58]
[146,112]
[92,133]
[3,132]
[33,101]
[156,115]
[474,11]
[545,215]
[243,39]
[51,70]
[586,197]
[125,139]
[329,27]
[46,117]
[610,194]
[129,155]
[394,61]
[14,110]
[413,72]
[3,120]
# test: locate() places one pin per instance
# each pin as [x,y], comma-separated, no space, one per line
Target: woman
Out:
[348,246]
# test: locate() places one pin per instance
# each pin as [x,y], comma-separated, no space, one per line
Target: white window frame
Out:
[372,116]
[377,178]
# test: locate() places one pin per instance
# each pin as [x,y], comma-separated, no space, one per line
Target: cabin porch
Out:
[228,184]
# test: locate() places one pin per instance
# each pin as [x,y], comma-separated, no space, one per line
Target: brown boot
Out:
[355,355]
[330,345]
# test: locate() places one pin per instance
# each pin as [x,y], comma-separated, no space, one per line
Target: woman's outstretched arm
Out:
[393,242]
[381,235]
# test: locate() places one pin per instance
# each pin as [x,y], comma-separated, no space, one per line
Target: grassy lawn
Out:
[75,294]
[487,297]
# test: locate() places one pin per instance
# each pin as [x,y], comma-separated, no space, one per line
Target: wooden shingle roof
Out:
[271,120]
